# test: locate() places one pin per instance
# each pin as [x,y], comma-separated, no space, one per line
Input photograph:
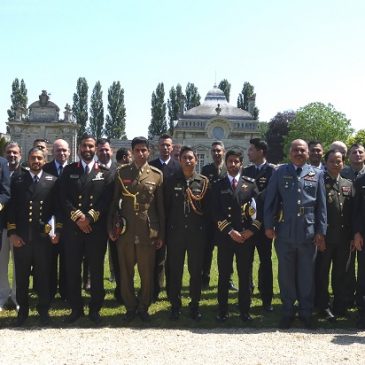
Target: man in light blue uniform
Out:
[295,213]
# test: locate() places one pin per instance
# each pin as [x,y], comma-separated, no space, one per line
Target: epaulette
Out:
[155,169]
[250,179]
[24,168]
[103,167]
[272,165]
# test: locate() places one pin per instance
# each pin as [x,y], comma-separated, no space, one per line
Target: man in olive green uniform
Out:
[339,201]
[137,220]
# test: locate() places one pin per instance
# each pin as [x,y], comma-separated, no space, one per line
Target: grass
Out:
[112,312]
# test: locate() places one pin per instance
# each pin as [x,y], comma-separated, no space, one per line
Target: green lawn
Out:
[112,313]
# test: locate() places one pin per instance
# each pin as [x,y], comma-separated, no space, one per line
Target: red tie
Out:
[234,184]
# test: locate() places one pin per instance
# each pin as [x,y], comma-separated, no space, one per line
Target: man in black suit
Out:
[168,166]
[61,154]
[31,206]
[237,214]
[85,195]
[261,171]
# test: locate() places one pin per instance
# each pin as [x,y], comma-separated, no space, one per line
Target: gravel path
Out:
[156,346]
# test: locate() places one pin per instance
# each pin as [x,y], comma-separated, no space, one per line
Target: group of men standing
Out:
[153,214]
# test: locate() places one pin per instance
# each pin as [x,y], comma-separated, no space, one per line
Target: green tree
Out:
[225,86]
[358,137]
[319,122]
[96,111]
[158,123]
[278,128]
[192,97]
[115,119]
[80,105]
[172,109]
[247,100]
[19,98]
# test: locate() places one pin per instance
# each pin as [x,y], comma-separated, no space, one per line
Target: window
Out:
[201,161]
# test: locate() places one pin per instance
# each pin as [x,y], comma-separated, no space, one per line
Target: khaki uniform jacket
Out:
[138,195]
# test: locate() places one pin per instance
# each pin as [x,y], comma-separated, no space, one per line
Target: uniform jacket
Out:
[168,170]
[262,177]
[212,173]
[237,209]
[50,168]
[339,199]
[4,190]
[88,194]
[296,205]
[138,193]
[182,213]
[31,205]
[359,206]
[348,173]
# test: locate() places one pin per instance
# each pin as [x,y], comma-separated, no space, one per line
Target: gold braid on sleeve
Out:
[196,198]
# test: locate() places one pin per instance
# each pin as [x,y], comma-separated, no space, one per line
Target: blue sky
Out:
[293,52]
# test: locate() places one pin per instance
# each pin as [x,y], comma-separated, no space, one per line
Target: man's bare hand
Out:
[320,242]
[270,233]
[158,243]
[246,234]
[55,239]
[358,241]
[84,224]
[236,236]
[16,241]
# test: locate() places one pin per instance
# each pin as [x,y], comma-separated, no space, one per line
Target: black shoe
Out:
[245,317]
[268,307]
[308,323]
[285,322]
[144,316]
[328,315]
[232,287]
[74,316]
[205,282]
[20,320]
[222,317]
[174,314]
[94,316]
[44,319]
[195,314]
[129,316]
[360,323]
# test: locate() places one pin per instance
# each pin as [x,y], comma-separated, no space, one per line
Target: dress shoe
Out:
[20,320]
[174,314]
[245,317]
[44,318]
[195,314]
[232,287]
[360,323]
[308,323]
[94,316]
[205,282]
[328,315]
[129,316]
[144,316]
[285,322]
[222,317]
[268,307]
[74,316]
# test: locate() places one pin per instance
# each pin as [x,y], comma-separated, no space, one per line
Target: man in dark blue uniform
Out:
[238,219]
[295,213]
[261,171]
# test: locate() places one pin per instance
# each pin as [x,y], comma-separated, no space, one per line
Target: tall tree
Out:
[175,105]
[19,98]
[192,97]
[358,137]
[225,86]
[278,128]
[80,105]
[158,123]
[319,122]
[96,111]
[247,100]
[115,120]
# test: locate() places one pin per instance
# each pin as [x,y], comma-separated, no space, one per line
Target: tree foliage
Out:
[96,111]
[19,98]
[158,123]
[247,100]
[358,137]
[80,105]
[115,119]
[278,128]
[225,86]
[192,97]
[319,122]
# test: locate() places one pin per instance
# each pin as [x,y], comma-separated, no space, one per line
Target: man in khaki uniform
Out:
[137,221]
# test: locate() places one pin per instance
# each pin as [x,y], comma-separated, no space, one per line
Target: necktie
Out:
[86,169]
[257,171]
[299,171]
[35,179]
[234,184]
[60,169]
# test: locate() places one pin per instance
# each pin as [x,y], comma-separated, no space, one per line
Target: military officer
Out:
[295,213]
[234,210]
[137,221]
[32,205]
[85,195]
[339,198]
[186,204]
[261,171]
